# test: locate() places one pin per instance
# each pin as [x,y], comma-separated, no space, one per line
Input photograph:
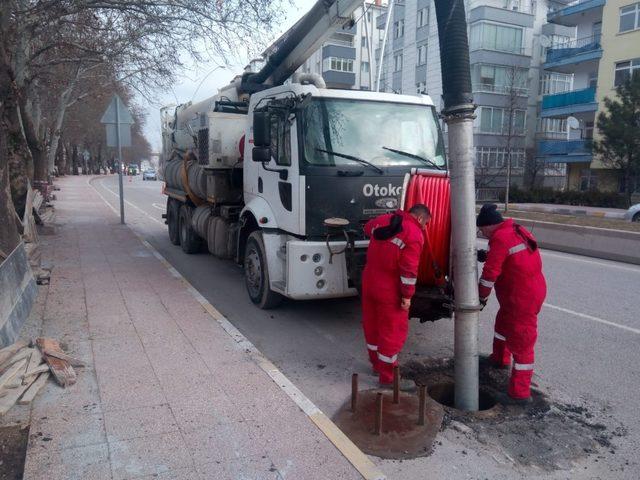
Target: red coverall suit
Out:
[514,267]
[389,275]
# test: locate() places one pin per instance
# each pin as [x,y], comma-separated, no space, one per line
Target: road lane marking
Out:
[158,206]
[129,203]
[592,318]
[345,446]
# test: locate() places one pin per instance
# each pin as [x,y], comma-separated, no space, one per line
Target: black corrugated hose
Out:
[454,56]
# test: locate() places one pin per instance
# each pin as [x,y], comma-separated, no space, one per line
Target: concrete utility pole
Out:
[459,114]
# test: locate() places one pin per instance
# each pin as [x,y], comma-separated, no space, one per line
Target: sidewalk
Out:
[168,393]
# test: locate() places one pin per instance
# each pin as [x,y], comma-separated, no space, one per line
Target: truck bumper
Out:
[314,272]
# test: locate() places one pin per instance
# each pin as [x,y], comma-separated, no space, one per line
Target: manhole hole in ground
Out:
[444,394]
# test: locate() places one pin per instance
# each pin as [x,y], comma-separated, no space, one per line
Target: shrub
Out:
[571,197]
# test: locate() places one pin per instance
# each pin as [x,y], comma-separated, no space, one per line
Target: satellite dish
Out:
[573,123]
[545,41]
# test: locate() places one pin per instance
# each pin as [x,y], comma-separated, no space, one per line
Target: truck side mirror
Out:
[261,129]
[261,154]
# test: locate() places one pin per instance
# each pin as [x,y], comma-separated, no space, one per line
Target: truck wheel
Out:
[636,217]
[173,212]
[256,274]
[189,239]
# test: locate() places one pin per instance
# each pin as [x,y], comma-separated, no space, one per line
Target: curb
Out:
[345,446]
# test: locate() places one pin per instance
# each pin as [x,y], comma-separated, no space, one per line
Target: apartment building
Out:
[347,59]
[569,104]
[599,49]
[505,55]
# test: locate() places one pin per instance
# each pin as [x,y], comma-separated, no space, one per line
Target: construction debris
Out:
[25,369]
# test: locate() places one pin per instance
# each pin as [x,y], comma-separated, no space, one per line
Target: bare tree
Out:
[71,46]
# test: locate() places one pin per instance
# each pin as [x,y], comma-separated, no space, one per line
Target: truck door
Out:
[280,179]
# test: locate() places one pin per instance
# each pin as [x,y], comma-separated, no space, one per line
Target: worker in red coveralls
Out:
[388,283]
[514,268]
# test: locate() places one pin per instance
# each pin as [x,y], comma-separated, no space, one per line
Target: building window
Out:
[369,17]
[624,70]
[630,17]
[363,42]
[499,79]
[501,38]
[593,79]
[423,17]
[496,121]
[341,64]
[588,180]
[364,67]
[421,88]
[397,63]
[553,127]
[552,83]
[588,130]
[497,157]
[398,29]
[421,57]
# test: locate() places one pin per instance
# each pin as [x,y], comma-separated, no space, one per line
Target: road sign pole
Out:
[119,162]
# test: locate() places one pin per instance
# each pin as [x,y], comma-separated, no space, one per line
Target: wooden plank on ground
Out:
[12,372]
[62,371]
[31,375]
[33,390]
[25,353]
[34,362]
[74,362]
[11,398]
[9,351]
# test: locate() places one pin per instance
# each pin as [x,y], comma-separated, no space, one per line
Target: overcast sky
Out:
[208,77]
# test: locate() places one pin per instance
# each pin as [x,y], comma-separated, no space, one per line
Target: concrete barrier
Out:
[18,292]
[618,245]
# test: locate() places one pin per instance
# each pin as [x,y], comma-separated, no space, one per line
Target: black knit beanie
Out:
[489,215]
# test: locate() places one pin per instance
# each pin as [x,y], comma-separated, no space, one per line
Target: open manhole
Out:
[444,394]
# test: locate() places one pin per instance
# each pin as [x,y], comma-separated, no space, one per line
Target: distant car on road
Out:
[149,174]
[633,214]
[133,169]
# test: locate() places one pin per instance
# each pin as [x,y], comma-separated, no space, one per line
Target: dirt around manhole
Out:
[13,450]
[543,434]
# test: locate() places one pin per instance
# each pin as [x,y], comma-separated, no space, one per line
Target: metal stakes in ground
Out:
[401,436]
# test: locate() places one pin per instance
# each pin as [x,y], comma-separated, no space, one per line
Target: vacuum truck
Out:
[279,173]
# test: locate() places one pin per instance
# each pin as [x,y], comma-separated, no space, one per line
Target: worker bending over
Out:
[389,282]
[514,267]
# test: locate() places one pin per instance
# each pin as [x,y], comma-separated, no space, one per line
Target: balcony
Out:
[576,12]
[565,151]
[500,89]
[565,57]
[569,103]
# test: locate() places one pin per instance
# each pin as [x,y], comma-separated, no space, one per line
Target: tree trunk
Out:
[57,130]
[40,170]
[74,159]
[9,234]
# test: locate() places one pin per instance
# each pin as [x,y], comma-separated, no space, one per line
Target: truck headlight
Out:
[317,257]
[320,283]
[318,271]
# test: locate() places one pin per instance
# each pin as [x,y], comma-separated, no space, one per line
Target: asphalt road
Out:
[587,352]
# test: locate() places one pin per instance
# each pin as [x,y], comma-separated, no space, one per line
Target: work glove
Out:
[483,303]
[482,256]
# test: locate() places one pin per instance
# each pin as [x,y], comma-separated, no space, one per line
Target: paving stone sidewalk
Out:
[167,392]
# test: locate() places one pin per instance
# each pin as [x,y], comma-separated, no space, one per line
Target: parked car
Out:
[633,214]
[149,174]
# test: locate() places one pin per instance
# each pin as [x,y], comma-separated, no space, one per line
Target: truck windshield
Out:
[382,133]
